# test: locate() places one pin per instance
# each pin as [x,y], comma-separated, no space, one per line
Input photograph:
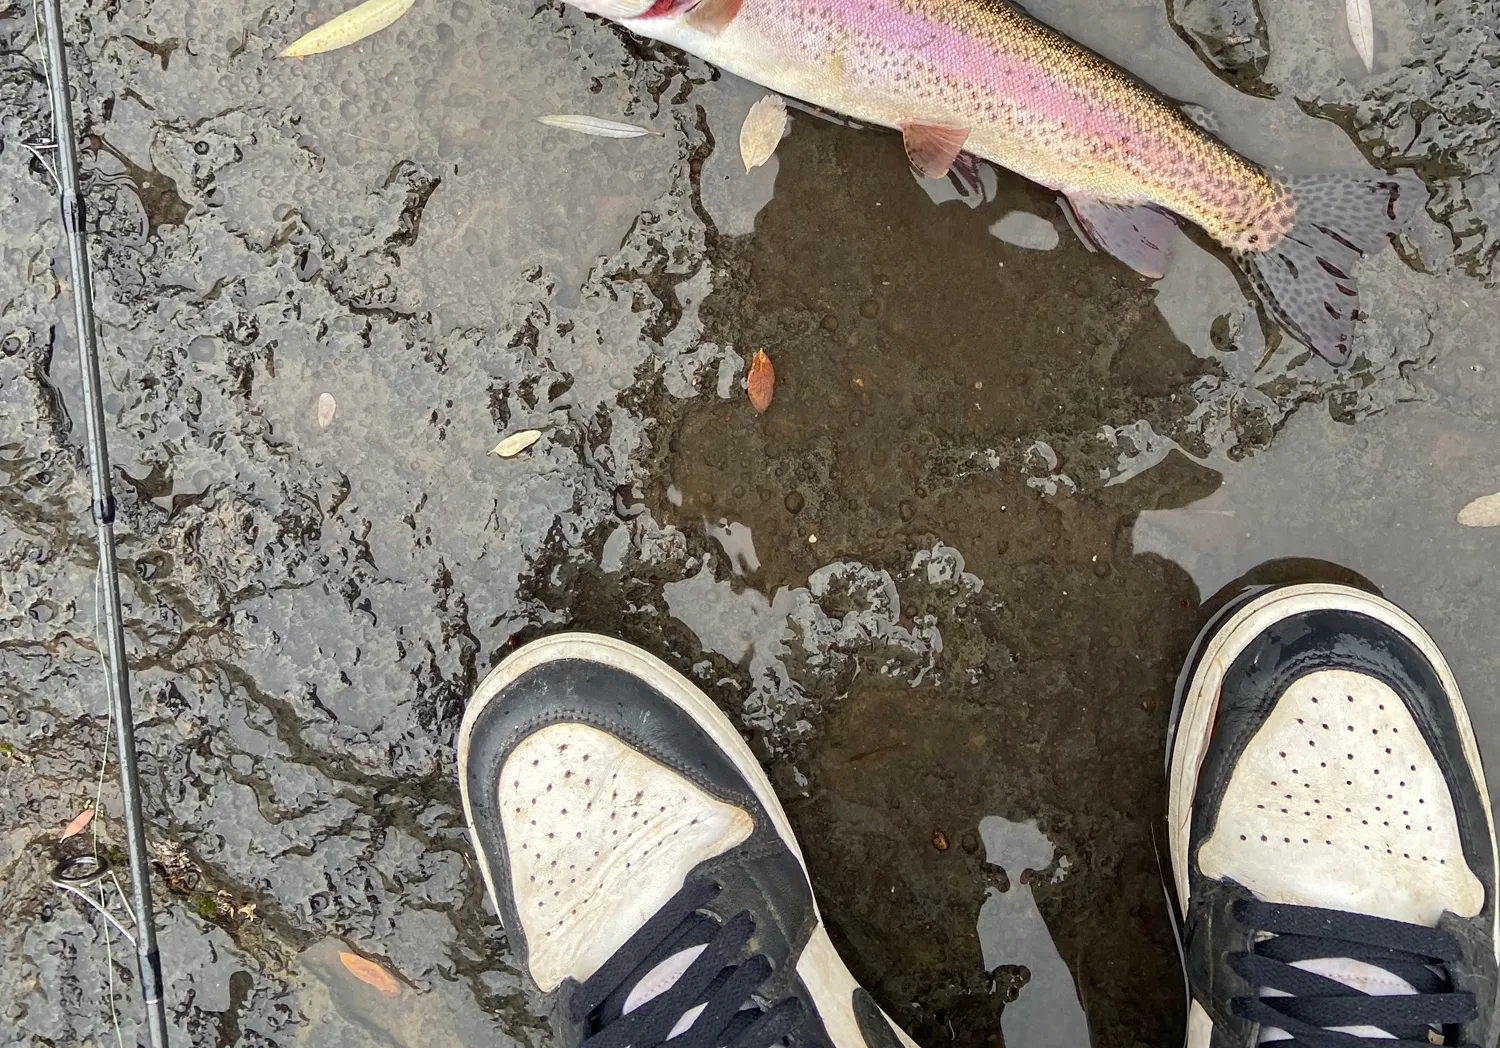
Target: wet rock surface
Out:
[948,576]
[1229,34]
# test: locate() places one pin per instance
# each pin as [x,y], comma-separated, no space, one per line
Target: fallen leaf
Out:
[326,407]
[1361,30]
[516,443]
[760,384]
[761,132]
[1482,512]
[593,125]
[367,971]
[78,825]
[348,28]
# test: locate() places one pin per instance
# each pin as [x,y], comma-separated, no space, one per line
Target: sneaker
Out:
[641,864]
[1332,843]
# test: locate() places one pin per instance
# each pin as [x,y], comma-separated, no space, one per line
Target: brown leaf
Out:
[367,971]
[79,824]
[761,382]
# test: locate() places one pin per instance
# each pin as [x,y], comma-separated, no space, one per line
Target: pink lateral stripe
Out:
[878,28]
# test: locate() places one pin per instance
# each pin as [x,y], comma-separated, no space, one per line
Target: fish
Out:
[982,78]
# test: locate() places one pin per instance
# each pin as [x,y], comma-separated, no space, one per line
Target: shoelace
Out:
[721,980]
[1315,1003]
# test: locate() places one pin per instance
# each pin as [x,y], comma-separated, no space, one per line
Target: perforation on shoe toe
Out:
[1338,802]
[599,836]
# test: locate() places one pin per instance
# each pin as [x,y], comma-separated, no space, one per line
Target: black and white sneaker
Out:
[1332,843]
[639,859]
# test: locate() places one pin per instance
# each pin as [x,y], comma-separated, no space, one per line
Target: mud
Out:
[944,583]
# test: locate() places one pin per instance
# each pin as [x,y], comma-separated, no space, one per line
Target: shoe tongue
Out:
[661,979]
[1357,975]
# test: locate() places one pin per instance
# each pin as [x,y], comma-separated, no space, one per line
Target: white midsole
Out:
[1200,702]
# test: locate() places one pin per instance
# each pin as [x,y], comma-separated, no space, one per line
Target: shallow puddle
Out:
[944,583]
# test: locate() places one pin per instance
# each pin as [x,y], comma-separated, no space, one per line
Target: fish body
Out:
[983,77]
[1032,100]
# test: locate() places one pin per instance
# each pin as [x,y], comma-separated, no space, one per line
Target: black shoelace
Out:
[1301,933]
[723,978]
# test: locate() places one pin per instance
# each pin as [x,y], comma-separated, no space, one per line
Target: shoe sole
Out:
[820,966]
[1220,643]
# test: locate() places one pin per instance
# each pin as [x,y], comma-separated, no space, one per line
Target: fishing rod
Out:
[117,681]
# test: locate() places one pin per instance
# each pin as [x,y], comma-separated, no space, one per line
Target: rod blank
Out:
[74,218]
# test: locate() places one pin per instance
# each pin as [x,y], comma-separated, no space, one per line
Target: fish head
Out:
[640,15]
[615,10]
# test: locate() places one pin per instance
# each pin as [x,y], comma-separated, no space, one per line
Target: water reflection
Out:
[738,545]
[731,195]
[1200,291]
[846,610]
[1024,229]
[1047,1014]
[339,1009]
[972,181]
[1380,499]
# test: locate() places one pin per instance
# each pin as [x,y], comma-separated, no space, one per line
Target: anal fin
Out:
[932,148]
[1137,234]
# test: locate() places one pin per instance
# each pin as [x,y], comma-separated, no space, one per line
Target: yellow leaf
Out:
[1361,30]
[593,125]
[372,974]
[348,28]
[79,824]
[761,132]
[1482,512]
[516,443]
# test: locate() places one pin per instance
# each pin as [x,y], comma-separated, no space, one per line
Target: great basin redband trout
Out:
[982,77]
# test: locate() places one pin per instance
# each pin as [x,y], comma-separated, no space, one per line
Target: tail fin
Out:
[1306,280]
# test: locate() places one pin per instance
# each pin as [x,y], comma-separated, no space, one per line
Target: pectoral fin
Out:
[1137,234]
[932,148]
[710,16]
